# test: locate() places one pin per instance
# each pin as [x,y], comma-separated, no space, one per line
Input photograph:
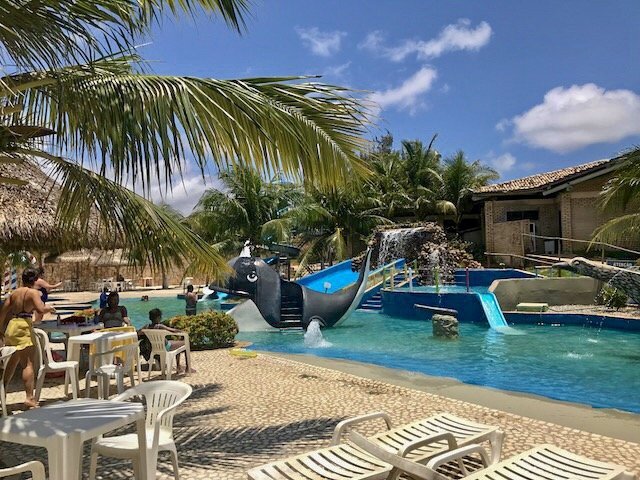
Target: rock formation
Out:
[445,326]
[426,243]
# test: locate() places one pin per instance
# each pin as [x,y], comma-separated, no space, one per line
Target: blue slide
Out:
[339,276]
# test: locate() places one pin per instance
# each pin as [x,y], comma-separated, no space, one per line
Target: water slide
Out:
[494,314]
[492,310]
[337,277]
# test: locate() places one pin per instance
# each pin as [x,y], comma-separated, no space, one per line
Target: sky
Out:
[525,87]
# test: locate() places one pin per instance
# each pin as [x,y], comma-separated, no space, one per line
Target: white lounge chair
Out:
[158,339]
[104,369]
[545,462]
[5,355]
[162,398]
[35,468]
[419,441]
[48,364]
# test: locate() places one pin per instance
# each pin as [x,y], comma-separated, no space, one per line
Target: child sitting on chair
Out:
[155,317]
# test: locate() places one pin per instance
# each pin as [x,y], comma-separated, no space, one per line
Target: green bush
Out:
[612,297]
[207,330]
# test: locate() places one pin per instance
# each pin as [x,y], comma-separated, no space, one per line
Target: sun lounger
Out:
[419,441]
[545,462]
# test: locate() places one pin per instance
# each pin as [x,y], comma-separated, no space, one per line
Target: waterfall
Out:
[313,336]
[393,244]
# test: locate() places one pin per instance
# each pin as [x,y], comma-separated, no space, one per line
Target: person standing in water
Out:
[191,300]
[44,287]
[16,323]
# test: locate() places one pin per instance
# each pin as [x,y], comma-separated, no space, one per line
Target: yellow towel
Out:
[117,343]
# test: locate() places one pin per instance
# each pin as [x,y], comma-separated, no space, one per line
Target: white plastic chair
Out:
[48,364]
[158,340]
[34,467]
[104,369]
[162,398]
[5,355]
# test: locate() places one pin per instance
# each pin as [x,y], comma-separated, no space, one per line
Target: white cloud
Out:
[321,43]
[575,117]
[504,163]
[407,95]
[372,42]
[186,191]
[453,37]
[337,70]
[503,125]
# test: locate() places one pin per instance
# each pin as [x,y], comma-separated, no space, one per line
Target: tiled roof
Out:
[542,180]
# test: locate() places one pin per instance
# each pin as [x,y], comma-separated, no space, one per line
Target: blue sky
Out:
[523,86]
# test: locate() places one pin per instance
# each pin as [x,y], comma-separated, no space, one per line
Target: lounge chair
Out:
[419,441]
[545,462]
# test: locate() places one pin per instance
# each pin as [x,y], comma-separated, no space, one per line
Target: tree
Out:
[243,208]
[460,177]
[621,197]
[78,78]
[330,223]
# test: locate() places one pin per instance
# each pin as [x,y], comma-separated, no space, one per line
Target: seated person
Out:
[155,319]
[114,315]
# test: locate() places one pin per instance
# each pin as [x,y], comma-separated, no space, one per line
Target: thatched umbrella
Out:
[28,203]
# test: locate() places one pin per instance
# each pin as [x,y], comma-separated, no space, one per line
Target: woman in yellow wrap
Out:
[16,322]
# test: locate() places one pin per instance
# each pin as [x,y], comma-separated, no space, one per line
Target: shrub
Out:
[207,330]
[612,297]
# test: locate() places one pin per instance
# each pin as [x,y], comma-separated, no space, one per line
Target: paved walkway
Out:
[245,412]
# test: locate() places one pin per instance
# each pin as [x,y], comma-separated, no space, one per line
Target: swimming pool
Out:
[170,306]
[599,367]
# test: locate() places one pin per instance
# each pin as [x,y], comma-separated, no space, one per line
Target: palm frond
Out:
[144,126]
[151,234]
[53,33]
[619,230]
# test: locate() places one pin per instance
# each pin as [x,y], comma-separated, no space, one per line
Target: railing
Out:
[521,257]
[602,245]
[391,271]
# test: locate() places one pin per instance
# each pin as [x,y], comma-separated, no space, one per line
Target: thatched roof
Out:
[28,212]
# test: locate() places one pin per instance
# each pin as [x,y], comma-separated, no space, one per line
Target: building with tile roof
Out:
[516,214]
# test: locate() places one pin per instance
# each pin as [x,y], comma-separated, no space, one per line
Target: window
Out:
[522,215]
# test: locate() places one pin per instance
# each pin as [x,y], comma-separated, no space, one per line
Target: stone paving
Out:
[245,412]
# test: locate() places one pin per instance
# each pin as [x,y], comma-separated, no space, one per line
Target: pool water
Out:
[170,306]
[578,364]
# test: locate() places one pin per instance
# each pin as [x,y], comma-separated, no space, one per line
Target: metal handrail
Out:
[512,255]
[591,242]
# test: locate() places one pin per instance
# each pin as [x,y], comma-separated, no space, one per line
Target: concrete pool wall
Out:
[553,291]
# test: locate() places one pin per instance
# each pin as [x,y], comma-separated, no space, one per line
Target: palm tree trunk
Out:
[165,279]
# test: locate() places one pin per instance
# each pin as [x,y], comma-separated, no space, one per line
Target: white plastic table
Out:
[102,342]
[63,427]
[69,329]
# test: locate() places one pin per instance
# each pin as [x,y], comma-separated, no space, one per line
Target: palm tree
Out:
[330,223]
[459,178]
[621,197]
[72,71]
[421,164]
[243,209]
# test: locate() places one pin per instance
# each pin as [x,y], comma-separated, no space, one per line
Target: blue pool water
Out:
[577,364]
[170,306]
